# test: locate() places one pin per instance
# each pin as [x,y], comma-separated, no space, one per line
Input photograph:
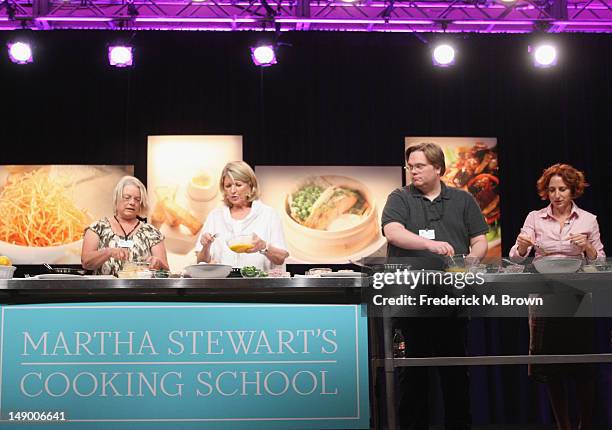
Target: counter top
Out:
[271,290]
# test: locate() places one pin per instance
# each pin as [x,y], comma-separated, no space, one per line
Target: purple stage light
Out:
[120,56]
[544,55]
[263,55]
[443,55]
[20,53]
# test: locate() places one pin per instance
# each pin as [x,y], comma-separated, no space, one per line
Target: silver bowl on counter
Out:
[204,270]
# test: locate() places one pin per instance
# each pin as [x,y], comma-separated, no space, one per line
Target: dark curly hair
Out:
[572,177]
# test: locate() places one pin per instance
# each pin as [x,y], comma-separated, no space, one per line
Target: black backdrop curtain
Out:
[333,99]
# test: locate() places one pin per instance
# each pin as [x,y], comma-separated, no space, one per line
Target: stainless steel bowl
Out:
[208,270]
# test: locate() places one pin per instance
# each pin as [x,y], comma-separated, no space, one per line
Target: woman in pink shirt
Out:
[562,229]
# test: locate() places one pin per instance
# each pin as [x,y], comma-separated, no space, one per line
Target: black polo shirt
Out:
[454,215]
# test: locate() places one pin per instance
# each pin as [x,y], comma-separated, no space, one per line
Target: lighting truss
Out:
[481,16]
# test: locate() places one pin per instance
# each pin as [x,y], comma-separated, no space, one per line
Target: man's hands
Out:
[440,248]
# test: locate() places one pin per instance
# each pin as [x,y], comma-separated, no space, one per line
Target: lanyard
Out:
[126,235]
[426,212]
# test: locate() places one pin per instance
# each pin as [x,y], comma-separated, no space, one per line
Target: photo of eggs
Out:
[183,182]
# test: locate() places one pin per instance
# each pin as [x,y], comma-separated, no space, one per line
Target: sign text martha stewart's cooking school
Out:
[203,365]
[191,345]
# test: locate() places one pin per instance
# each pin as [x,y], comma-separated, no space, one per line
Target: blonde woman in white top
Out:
[242,214]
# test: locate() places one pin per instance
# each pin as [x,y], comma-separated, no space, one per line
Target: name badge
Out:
[125,243]
[428,234]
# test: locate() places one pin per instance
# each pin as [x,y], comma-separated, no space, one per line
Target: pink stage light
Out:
[263,55]
[121,56]
[20,53]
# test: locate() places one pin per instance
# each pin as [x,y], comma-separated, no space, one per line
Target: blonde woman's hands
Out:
[207,239]
[119,253]
[258,244]
[155,263]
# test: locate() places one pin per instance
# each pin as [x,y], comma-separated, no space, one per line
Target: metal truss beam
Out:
[482,16]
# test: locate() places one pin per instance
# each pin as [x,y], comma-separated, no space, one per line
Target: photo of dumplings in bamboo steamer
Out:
[330,218]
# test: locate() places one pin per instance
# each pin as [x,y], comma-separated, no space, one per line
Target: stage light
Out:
[20,53]
[544,55]
[263,55]
[443,55]
[120,56]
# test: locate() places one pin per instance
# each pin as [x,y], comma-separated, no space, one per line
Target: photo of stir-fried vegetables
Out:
[475,169]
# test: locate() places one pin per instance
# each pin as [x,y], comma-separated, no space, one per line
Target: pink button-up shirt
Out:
[553,239]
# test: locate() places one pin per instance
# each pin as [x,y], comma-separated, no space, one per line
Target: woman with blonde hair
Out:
[242,213]
[111,241]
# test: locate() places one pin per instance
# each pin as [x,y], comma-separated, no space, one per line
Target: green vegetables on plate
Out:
[252,272]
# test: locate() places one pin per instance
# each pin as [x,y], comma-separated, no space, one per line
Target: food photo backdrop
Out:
[472,165]
[44,209]
[330,214]
[183,184]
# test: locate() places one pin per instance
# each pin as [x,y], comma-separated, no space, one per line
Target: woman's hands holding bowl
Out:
[258,244]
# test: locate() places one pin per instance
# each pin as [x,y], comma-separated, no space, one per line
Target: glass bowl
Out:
[241,244]
[514,268]
[460,263]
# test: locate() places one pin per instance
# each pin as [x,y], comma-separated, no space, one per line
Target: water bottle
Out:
[399,345]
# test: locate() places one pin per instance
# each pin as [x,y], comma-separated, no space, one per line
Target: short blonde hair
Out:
[239,171]
[144,197]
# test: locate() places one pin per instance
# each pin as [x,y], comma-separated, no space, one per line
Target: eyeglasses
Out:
[417,167]
[127,199]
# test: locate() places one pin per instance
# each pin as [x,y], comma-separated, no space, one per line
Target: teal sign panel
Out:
[172,365]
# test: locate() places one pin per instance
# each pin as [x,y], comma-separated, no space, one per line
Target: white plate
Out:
[299,257]
[341,275]
[57,276]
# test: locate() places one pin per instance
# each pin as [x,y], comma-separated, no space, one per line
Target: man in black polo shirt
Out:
[429,219]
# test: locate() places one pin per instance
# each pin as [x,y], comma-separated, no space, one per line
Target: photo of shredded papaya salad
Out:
[39,211]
